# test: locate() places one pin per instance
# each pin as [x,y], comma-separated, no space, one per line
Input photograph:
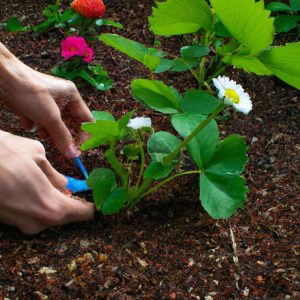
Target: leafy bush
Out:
[78,21]
[232,32]
[288,18]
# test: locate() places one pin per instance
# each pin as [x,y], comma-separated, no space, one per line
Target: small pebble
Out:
[45,54]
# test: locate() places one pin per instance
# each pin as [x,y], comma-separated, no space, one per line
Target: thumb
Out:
[77,210]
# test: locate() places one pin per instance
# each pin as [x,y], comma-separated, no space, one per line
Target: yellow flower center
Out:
[233,95]
[72,49]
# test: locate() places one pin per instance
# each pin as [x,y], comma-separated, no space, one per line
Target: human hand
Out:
[39,99]
[31,191]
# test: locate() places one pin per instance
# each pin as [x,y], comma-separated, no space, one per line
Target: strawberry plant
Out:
[232,32]
[142,161]
[288,17]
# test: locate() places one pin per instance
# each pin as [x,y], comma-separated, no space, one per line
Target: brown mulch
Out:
[168,247]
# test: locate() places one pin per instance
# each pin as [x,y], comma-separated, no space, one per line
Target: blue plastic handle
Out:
[76,185]
[81,166]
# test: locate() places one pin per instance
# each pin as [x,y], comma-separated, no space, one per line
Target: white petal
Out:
[138,123]
[219,85]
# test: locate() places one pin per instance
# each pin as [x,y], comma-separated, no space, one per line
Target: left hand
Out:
[39,100]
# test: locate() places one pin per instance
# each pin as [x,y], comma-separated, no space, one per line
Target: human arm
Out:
[38,99]
[32,193]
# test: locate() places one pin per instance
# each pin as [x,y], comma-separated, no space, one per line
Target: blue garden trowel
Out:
[76,185]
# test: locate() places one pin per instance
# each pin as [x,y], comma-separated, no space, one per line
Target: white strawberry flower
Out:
[233,94]
[138,123]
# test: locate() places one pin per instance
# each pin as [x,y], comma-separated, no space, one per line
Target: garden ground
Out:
[168,247]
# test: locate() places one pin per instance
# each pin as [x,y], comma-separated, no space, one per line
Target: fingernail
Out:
[72,151]
[35,128]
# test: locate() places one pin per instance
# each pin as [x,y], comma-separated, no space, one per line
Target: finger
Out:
[78,108]
[27,123]
[83,136]
[57,180]
[77,210]
[67,96]
[61,136]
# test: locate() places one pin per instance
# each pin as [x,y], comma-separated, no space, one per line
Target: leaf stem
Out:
[216,73]
[166,181]
[142,153]
[167,159]
[116,165]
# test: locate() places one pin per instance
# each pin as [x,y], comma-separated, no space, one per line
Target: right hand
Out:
[32,192]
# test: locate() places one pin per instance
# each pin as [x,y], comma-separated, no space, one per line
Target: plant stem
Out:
[208,87]
[116,165]
[166,181]
[136,196]
[202,71]
[167,159]
[151,75]
[189,68]
[216,73]
[142,152]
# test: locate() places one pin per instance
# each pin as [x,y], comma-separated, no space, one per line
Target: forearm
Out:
[12,71]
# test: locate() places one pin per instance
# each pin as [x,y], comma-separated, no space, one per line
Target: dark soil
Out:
[168,248]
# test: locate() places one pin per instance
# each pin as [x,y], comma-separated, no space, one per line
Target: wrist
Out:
[13,73]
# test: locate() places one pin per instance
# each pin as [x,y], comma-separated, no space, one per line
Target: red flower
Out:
[91,9]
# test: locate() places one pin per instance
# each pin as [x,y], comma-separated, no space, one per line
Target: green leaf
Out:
[250,64]
[190,56]
[295,5]
[132,151]
[14,25]
[115,202]
[202,146]
[221,30]
[222,195]
[227,49]
[133,49]
[101,83]
[284,62]
[100,174]
[44,26]
[161,144]
[101,181]
[157,170]
[174,17]
[278,6]
[198,51]
[181,65]
[222,190]
[68,15]
[124,120]
[103,132]
[50,10]
[229,157]
[156,95]
[102,115]
[247,21]
[198,102]
[286,23]
[165,65]
[101,22]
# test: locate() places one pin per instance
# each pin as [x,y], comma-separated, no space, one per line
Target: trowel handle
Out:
[81,166]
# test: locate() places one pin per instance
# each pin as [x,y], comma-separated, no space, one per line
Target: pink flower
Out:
[76,46]
[88,54]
